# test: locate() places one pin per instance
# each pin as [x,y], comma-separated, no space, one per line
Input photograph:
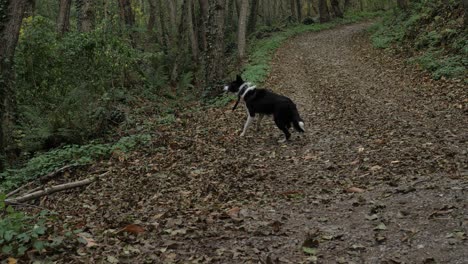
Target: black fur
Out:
[265,102]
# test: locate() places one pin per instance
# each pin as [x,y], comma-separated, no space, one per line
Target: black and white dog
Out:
[264,102]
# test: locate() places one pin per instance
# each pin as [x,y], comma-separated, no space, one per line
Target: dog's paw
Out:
[283,140]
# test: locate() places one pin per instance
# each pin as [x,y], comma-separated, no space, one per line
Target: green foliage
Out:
[439,65]
[431,33]
[50,161]
[73,88]
[20,232]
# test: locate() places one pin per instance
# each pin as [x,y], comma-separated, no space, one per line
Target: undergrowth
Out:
[431,33]
[50,161]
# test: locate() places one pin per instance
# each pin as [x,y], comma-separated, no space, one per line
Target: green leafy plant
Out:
[20,232]
[50,161]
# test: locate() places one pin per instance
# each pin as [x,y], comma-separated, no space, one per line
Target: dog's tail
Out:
[297,122]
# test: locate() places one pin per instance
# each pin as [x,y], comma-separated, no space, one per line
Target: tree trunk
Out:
[252,17]
[323,10]
[173,14]
[85,13]
[192,30]
[292,5]
[162,22]
[309,8]
[63,20]
[336,8]
[126,13]
[241,31]
[465,7]
[347,5]
[402,4]
[203,22]
[215,65]
[299,10]
[11,16]
[152,16]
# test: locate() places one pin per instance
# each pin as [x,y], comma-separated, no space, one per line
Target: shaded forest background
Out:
[84,69]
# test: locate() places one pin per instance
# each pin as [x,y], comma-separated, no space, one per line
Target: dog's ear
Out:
[239,78]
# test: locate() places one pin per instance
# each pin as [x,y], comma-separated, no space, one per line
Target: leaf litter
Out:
[201,194]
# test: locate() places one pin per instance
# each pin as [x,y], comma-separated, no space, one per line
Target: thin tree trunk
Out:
[299,10]
[323,10]
[214,66]
[162,21]
[347,5]
[336,8]
[192,30]
[292,4]
[126,13]
[238,6]
[242,28]
[85,14]
[253,17]
[11,16]
[402,4]
[63,20]
[309,8]
[203,22]
[173,14]
[152,16]
[128,18]
[465,7]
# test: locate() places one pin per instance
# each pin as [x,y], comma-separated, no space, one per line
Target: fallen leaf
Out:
[372,217]
[134,229]
[381,226]
[87,239]
[12,260]
[112,259]
[310,251]
[355,190]
[233,212]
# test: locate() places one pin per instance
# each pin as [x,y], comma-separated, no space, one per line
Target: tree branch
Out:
[54,189]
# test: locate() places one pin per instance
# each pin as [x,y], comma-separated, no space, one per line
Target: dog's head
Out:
[235,85]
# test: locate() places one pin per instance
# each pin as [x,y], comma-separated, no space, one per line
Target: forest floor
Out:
[380,176]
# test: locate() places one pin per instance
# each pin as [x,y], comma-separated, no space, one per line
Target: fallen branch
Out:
[42,179]
[54,189]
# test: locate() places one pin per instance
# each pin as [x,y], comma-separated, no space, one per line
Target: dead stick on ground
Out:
[54,189]
[42,179]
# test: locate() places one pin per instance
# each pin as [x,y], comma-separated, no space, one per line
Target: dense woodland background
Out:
[76,75]
[79,66]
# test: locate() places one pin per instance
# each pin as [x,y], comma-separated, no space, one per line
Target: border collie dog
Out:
[264,102]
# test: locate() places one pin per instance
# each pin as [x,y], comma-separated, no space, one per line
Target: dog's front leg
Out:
[247,124]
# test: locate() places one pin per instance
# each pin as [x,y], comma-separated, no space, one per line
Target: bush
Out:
[430,33]
[20,232]
[80,83]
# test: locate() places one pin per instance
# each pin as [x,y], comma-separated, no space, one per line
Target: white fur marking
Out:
[247,124]
[247,90]
[301,124]
[226,88]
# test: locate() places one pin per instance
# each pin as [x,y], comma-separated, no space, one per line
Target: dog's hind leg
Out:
[259,121]
[283,127]
[247,124]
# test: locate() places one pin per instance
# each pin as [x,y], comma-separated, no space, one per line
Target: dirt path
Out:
[204,195]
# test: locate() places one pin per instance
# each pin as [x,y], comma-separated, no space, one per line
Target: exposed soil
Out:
[380,176]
